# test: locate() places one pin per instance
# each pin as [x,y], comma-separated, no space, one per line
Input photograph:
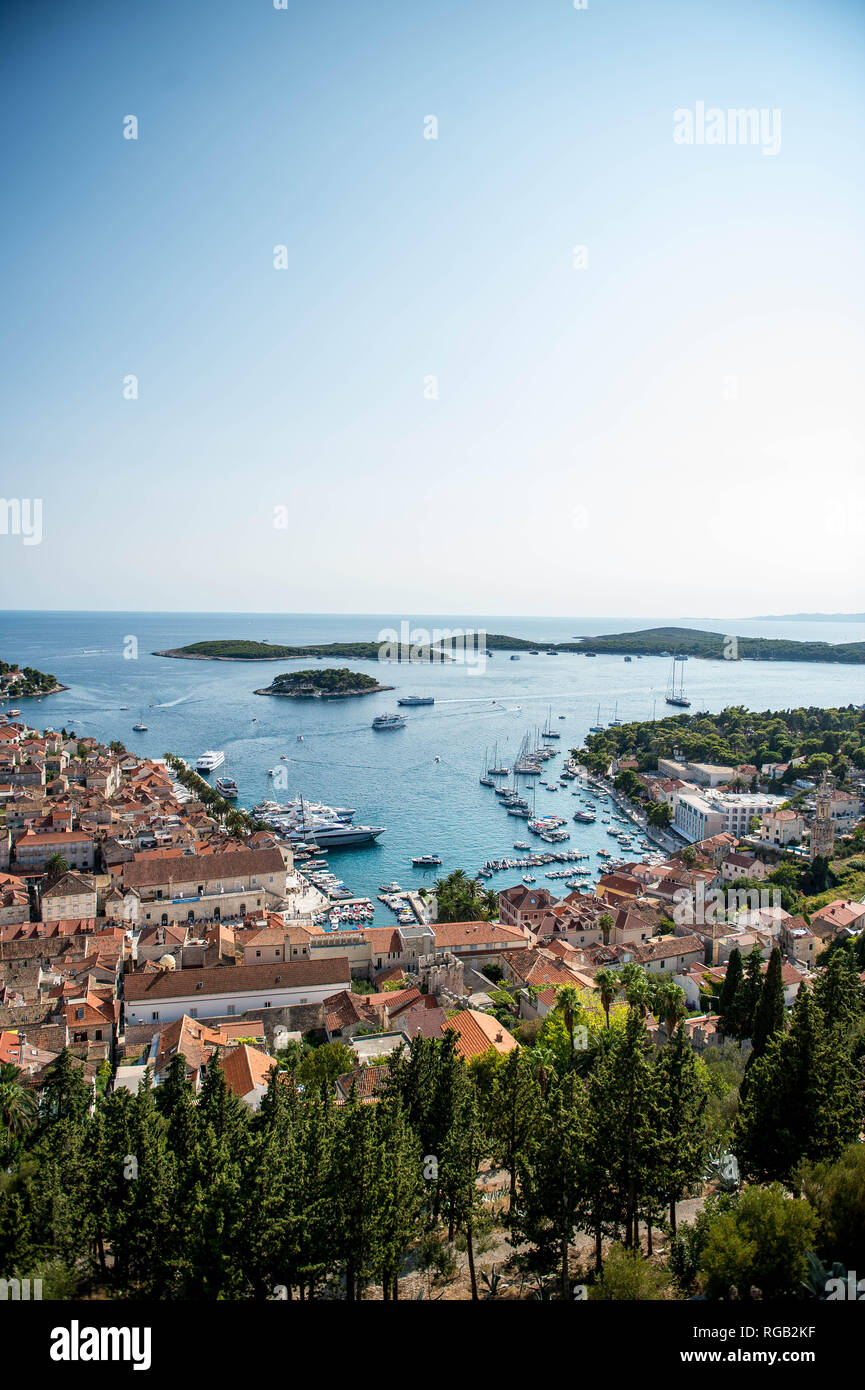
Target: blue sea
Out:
[392,779]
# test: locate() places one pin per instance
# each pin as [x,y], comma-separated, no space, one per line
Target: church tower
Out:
[823,829]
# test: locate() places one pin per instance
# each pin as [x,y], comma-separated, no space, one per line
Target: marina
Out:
[404,797]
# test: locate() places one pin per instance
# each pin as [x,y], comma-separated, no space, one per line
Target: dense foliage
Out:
[26,681]
[829,740]
[329,681]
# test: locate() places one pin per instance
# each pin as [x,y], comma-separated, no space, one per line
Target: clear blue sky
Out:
[676,428]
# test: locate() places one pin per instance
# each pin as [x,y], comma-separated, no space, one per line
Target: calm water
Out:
[392,778]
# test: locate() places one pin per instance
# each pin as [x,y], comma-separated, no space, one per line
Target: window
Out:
[267,1004]
[193,1013]
[98,1035]
[258,953]
[155,1016]
[230,1009]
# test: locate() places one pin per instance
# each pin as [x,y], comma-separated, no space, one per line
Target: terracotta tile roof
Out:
[186,868]
[246,1068]
[452,935]
[477,1033]
[227,979]
[346,1009]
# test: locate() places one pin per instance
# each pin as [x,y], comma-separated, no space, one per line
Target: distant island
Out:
[25,682]
[807,617]
[686,641]
[655,641]
[331,683]
[236,650]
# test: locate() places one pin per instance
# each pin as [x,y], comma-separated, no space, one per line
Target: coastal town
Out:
[162,954]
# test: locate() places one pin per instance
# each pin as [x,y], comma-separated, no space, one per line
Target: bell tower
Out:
[823,829]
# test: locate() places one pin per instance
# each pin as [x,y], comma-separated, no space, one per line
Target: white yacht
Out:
[210,760]
[388,721]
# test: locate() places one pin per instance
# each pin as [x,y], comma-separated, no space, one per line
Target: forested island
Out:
[242,650]
[655,641]
[687,641]
[329,684]
[22,682]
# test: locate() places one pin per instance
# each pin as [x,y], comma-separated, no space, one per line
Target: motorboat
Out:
[210,760]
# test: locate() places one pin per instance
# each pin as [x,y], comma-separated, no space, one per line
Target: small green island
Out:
[25,682]
[329,683]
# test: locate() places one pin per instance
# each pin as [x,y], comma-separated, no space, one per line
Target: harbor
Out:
[417,790]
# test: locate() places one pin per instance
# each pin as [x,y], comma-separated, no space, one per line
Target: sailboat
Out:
[597,728]
[548,732]
[485,779]
[496,770]
[676,695]
[616,722]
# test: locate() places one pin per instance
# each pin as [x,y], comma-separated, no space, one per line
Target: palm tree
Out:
[55,867]
[608,983]
[569,1003]
[668,1004]
[636,987]
[18,1107]
[605,922]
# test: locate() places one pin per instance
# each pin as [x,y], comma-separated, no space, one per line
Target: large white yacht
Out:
[210,760]
[388,721]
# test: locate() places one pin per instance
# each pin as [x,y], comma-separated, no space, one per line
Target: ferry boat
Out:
[227,787]
[417,700]
[210,760]
[388,721]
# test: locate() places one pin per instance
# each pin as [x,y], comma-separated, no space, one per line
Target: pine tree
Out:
[66,1092]
[683,1138]
[511,1114]
[551,1169]
[627,1105]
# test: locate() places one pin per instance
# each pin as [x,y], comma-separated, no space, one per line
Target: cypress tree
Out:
[803,1099]
[747,996]
[729,990]
[769,1014]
